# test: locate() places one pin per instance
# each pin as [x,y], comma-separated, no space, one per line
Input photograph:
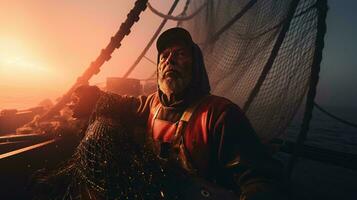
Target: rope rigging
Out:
[180,17]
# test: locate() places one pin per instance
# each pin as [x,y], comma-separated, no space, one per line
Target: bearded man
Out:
[207,136]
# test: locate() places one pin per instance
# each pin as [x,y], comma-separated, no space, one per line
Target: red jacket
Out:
[219,138]
[214,137]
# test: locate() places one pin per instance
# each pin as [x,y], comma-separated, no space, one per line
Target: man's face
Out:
[174,68]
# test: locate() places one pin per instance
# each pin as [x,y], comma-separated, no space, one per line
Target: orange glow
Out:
[46,45]
[25,79]
[18,66]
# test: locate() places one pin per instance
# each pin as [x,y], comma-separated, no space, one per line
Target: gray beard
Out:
[171,86]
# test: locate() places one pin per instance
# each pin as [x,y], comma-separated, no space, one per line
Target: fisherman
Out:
[205,135]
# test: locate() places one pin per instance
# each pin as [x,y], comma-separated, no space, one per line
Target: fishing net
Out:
[110,164]
[262,60]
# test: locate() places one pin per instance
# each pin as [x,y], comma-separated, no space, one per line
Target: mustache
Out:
[171,69]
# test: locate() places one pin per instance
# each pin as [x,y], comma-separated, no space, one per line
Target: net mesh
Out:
[110,164]
[235,60]
[113,167]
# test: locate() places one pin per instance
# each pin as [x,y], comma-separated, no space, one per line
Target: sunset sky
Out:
[46,44]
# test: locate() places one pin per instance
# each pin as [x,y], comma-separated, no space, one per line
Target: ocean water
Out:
[24,98]
[312,179]
[19,102]
[326,132]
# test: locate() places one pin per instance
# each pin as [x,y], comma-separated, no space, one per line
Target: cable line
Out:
[334,116]
[176,18]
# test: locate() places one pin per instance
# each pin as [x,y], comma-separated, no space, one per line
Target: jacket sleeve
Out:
[242,156]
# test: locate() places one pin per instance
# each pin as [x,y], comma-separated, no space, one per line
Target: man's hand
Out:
[84,100]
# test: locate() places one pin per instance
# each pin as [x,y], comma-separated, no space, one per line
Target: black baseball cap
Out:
[173,35]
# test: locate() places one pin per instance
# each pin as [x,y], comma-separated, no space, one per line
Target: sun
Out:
[20,65]
[26,76]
